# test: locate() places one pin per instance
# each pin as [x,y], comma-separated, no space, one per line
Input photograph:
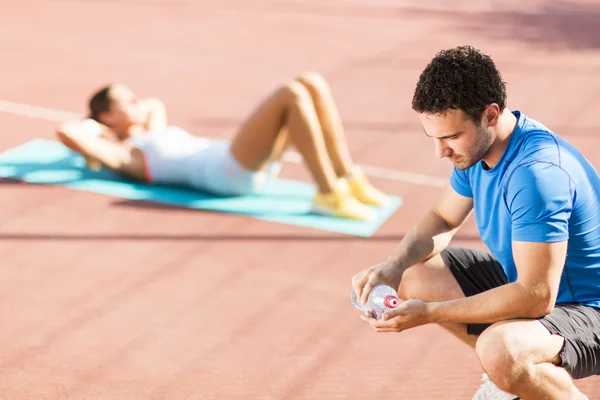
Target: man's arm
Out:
[433,232]
[533,295]
[429,236]
[539,200]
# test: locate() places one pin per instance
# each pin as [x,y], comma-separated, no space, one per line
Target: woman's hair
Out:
[462,78]
[100,102]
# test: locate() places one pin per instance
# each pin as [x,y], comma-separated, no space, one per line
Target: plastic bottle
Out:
[381,299]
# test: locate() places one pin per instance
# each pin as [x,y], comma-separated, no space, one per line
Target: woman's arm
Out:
[70,129]
[96,149]
[155,118]
[157,113]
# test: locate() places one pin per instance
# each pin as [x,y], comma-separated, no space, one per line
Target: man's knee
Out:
[411,285]
[503,355]
[429,281]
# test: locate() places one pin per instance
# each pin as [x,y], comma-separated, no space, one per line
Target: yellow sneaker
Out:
[341,205]
[364,192]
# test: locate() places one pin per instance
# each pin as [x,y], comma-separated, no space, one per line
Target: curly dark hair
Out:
[462,78]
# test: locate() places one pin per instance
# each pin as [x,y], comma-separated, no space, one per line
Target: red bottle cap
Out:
[391,301]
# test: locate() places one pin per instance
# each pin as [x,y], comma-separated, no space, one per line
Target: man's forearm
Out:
[427,238]
[508,301]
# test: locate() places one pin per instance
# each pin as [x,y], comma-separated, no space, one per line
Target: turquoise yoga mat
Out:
[285,201]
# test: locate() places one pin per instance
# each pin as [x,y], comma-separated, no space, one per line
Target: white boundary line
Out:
[26,110]
[50,114]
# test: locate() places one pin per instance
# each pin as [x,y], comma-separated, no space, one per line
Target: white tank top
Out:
[167,153]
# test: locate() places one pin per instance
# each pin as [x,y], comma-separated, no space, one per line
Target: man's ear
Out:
[491,114]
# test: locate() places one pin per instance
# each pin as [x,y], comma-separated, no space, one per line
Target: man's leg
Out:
[522,357]
[529,358]
[453,274]
[433,281]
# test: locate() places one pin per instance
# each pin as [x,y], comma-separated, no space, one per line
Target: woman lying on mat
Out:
[132,137]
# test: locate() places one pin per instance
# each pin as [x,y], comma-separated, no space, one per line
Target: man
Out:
[531,308]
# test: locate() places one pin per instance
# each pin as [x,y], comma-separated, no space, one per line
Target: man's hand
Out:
[408,314]
[384,273]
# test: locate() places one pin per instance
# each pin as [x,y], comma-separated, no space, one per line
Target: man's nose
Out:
[441,148]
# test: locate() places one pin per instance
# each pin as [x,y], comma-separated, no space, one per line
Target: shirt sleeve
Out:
[460,182]
[539,198]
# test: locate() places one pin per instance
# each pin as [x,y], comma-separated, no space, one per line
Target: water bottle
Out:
[381,299]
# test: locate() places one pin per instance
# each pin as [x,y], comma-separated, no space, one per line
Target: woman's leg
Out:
[335,140]
[286,117]
[330,121]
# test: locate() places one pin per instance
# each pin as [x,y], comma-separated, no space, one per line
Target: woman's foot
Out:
[363,191]
[340,203]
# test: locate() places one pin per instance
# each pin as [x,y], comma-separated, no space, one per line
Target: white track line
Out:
[50,114]
[26,110]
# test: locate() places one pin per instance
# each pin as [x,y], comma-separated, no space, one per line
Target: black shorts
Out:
[477,271]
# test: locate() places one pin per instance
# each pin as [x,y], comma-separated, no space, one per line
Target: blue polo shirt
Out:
[542,190]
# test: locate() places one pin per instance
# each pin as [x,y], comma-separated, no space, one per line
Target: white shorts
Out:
[215,170]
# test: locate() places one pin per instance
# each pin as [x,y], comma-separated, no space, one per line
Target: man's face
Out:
[457,137]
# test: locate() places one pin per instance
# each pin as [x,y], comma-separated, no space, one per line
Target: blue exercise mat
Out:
[285,201]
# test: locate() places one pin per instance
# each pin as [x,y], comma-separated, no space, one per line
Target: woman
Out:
[301,113]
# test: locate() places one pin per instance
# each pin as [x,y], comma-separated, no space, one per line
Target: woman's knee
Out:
[293,92]
[313,81]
